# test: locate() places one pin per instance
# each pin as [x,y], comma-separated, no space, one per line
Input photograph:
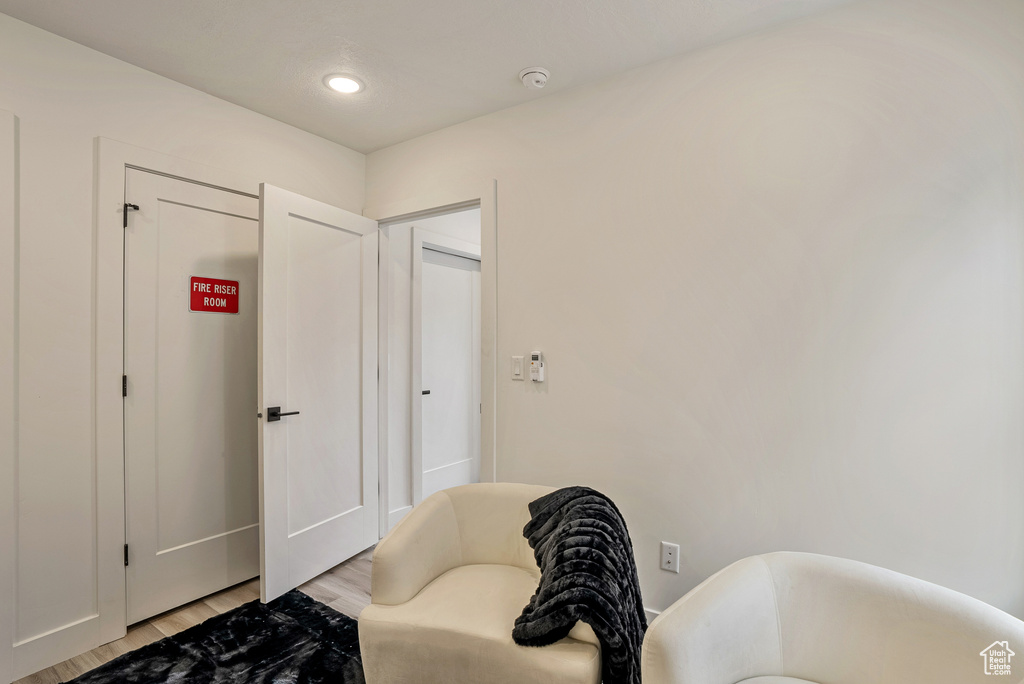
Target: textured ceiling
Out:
[426,65]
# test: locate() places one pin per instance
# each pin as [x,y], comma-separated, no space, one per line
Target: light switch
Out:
[517,368]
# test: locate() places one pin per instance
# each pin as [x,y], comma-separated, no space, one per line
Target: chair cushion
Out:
[775,680]
[459,629]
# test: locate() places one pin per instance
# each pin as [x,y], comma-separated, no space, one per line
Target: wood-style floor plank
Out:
[138,636]
[47,676]
[346,588]
[180,619]
[232,598]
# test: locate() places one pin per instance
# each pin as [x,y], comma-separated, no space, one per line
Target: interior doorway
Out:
[189,390]
[215,280]
[431,354]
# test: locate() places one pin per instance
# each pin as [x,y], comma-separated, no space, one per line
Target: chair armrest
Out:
[420,548]
[723,631]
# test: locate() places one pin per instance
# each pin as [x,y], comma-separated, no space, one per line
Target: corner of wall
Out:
[9,164]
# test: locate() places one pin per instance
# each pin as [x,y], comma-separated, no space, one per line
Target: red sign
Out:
[212,295]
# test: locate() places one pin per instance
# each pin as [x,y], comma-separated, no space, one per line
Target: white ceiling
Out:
[426,65]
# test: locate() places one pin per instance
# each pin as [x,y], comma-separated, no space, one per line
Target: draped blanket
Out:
[587,572]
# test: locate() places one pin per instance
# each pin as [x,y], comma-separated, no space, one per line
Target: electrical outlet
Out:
[670,557]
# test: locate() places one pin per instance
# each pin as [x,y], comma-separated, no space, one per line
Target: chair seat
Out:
[775,680]
[460,625]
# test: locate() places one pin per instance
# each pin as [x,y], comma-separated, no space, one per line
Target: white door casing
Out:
[445,436]
[190,428]
[318,356]
[383,377]
[8,385]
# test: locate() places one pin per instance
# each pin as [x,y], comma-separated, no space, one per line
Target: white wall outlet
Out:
[518,368]
[670,557]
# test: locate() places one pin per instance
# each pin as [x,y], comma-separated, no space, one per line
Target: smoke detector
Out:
[534,78]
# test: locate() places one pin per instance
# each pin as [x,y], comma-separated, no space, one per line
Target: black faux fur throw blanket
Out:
[587,573]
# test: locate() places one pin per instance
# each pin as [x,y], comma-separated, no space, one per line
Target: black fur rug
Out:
[292,639]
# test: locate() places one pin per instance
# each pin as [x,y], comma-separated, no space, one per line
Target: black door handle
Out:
[274,414]
[426,391]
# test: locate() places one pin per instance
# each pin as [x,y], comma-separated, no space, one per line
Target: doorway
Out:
[224,480]
[444,245]
[189,389]
[115,160]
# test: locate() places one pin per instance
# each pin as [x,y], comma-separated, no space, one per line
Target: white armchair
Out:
[448,583]
[792,618]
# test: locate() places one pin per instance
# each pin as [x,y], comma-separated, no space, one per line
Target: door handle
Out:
[274,414]
[426,391]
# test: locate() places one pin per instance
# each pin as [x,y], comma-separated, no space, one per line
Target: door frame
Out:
[423,238]
[482,193]
[112,160]
[9,247]
[383,311]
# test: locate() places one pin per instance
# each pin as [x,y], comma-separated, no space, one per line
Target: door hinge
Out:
[129,207]
[126,555]
[124,385]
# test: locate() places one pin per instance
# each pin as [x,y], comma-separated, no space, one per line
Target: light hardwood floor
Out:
[346,588]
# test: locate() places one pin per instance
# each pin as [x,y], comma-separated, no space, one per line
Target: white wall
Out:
[778,283]
[462,225]
[65,96]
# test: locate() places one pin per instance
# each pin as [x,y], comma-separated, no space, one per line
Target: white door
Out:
[449,287]
[190,431]
[318,362]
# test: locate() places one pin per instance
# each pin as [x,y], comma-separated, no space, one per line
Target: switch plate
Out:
[670,557]
[517,368]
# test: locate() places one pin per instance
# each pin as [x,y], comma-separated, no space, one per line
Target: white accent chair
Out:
[448,583]
[792,618]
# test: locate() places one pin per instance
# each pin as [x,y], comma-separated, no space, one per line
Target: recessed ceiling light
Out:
[344,84]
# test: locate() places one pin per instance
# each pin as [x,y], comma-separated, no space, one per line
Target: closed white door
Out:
[450,348]
[318,371]
[190,406]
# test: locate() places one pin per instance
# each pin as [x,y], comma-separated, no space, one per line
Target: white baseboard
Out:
[56,646]
[651,614]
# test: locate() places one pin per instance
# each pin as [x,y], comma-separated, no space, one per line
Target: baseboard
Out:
[651,614]
[40,652]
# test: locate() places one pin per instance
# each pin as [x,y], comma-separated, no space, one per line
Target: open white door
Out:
[446,402]
[318,363]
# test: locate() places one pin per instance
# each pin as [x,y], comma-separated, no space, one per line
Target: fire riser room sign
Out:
[211,295]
